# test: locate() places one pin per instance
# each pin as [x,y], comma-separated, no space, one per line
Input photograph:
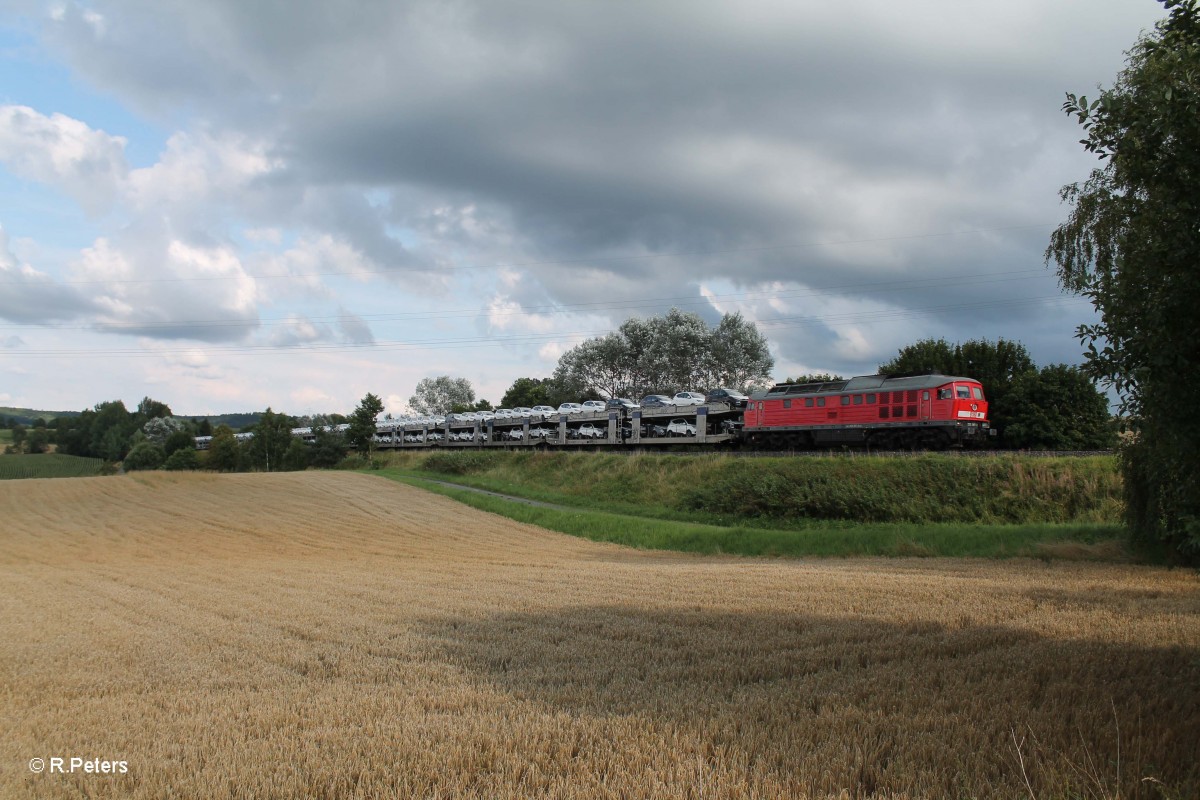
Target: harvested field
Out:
[338,635]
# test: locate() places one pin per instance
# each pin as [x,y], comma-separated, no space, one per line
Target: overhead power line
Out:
[219,351]
[545,263]
[902,285]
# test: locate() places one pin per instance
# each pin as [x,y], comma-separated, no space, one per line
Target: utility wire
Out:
[527,264]
[861,318]
[905,285]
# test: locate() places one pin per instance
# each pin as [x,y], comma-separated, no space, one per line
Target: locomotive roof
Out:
[862,383]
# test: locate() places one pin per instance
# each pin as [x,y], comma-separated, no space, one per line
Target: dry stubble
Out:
[338,635]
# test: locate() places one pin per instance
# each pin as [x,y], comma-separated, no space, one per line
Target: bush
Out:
[452,463]
[922,489]
[182,459]
[146,455]
[296,457]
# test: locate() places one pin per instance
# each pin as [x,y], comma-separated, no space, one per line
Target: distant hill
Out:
[235,421]
[26,416]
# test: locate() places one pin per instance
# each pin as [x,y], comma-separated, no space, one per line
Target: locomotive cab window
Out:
[944,394]
[977,391]
[963,392]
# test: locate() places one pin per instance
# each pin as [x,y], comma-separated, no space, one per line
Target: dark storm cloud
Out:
[756,142]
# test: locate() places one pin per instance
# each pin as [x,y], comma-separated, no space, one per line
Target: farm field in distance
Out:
[334,634]
[47,465]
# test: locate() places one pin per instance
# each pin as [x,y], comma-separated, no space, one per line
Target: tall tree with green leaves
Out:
[362,425]
[223,453]
[674,352]
[1056,408]
[272,437]
[1131,245]
[440,395]
[525,392]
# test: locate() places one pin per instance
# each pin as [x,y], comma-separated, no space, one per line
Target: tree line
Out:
[1055,407]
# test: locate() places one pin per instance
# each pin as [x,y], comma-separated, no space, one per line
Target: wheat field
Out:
[330,635]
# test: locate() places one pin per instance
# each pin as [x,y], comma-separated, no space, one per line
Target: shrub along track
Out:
[336,635]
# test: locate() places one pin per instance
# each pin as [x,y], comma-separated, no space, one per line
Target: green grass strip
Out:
[1075,541]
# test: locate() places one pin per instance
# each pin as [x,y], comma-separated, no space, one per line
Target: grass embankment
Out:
[48,465]
[930,505]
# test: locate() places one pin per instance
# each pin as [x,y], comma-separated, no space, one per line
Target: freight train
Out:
[926,411]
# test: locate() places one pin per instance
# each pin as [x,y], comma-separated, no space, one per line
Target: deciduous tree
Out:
[362,425]
[439,395]
[146,455]
[1056,408]
[525,393]
[223,453]
[1131,245]
[674,352]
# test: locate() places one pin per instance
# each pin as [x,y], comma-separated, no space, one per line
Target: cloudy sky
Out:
[227,205]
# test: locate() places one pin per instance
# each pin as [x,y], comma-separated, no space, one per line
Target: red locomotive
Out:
[927,411]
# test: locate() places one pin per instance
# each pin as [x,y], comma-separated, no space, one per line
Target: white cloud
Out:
[88,165]
[199,171]
[155,286]
[30,296]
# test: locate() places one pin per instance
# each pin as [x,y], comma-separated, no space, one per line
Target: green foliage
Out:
[272,437]
[635,529]
[159,429]
[1056,408]
[223,452]
[328,447]
[146,455]
[817,377]
[781,492]
[37,441]
[108,430]
[151,409]
[926,489]
[182,459]
[994,364]
[18,437]
[180,440]
[297,456]
[441,394]
[362,425]
[1131,245]
[674,352]
[452,463]
[525,392]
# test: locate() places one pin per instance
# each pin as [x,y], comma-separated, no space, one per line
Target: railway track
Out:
[850,453]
